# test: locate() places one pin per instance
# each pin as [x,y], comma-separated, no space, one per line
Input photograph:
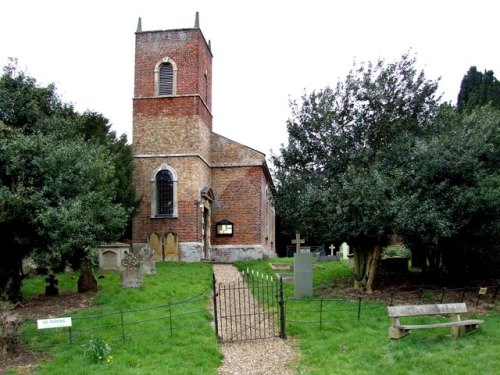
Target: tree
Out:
[65,179]
[338,173]
[478,89]
[449,211]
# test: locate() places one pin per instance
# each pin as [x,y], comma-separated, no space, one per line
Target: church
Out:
[203,196]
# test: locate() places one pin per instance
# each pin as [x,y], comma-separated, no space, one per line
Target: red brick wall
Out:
[189,50]
[193,175]
[238,199]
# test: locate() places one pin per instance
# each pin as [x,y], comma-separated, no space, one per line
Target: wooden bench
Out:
[458,326]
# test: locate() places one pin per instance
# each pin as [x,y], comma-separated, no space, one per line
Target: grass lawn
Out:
[150,346]
[179,338]
[344,345]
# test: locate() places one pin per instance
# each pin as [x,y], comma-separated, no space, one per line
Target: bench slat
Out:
[440,325]
[434,309]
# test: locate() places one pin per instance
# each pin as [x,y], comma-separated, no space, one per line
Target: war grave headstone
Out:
[302,270]
[131,275]
[344,249]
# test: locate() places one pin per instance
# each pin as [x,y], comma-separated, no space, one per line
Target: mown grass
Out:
[150,345]
[342,344]
[345,345]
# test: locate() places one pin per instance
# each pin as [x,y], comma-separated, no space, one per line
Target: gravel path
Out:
[272,356]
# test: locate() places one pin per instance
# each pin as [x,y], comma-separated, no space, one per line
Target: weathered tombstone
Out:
[51,289]
[344,249]
[302,271]
[68,268]
[111,255]
[131,275]
[87,281]
[145,257]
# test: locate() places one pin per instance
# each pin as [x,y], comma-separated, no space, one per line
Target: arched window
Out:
[165,77]
[164,192]
[166,84]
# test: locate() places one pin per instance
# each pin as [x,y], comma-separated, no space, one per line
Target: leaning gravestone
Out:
[131,275]
[302,271]
[145,257]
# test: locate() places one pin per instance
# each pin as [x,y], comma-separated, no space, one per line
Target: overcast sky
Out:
[265,52]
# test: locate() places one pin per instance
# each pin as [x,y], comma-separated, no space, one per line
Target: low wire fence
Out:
[328,312]
[118,326]
[172,318]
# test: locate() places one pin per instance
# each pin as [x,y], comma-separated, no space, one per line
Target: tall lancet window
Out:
[164,193]
[166,81]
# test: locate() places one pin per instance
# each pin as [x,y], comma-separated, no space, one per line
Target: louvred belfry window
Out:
[166,84]
[164,193]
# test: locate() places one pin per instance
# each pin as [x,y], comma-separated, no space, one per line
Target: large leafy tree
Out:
[347,146]
[449,211]
[65,179]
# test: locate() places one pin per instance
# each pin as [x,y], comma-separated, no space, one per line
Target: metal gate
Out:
[249,309]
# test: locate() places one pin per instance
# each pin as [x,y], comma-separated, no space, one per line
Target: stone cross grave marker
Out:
[131,275]
[332,248]
[297,242]
[302,271]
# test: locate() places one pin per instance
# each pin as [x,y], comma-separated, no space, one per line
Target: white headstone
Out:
[344,249]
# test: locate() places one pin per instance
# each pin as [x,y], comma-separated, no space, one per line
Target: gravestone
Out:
[302,270]
[329,258]
[145,257]
[131,275]
[344,249]
[68,268]
[51,289]
[332,249]
[87,281]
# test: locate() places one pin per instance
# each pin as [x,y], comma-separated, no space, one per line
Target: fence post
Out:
[493,298]
[123,327]
[214,298]
[320,313]
[442,295]
[359,308]
[463,294]
[170,319]
[392,297]
[281,303]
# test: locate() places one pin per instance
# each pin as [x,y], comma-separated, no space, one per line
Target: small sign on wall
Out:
[54,323]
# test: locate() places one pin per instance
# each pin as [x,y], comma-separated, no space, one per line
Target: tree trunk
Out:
[365,268]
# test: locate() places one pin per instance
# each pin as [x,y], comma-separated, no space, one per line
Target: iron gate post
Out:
[281,304]
[214,297]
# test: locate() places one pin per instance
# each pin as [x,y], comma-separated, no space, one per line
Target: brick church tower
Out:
[203,196]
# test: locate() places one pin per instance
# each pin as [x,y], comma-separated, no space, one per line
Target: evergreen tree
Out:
[478,89]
